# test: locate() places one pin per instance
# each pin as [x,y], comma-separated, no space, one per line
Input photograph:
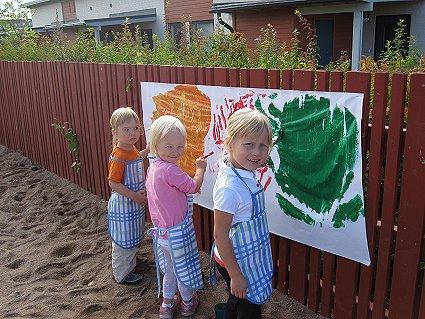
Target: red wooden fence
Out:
[34,94]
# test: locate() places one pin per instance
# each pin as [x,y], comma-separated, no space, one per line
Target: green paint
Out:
[317,153]
[293,211]
[348,211]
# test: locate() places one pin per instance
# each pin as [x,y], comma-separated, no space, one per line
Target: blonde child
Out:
[167,186]
[242,252]
[126,206]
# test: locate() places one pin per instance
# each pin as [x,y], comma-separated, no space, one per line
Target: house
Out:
[104,16]
[197,13]
[357,27]
[152,16]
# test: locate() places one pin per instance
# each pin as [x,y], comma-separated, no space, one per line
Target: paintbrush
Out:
[208,155]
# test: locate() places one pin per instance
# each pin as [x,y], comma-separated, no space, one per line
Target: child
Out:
[242,252]
[167,186]
[126,211]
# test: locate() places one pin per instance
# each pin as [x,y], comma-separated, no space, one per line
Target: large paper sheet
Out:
[313,180]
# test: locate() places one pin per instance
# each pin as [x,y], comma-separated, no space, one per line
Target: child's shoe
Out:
[168,312]
[132,278]
[189,309]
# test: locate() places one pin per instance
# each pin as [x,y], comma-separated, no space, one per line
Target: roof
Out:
[229,6]
[147,15]
[34,3]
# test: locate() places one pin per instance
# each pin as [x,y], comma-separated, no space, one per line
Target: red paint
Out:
[225,111]
[269,180]
[262,170]
[222,116]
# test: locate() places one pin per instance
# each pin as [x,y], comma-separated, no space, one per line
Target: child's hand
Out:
[201,163]
[144,152]
[238,286]
[140,197]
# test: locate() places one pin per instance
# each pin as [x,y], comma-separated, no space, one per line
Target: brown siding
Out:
[284,21]
[250,23]
[188,10]
[343,31]
[343,34]
[68,10]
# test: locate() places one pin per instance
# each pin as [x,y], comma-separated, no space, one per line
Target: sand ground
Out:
[55,255]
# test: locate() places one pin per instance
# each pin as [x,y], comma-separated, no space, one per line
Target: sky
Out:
[2,2]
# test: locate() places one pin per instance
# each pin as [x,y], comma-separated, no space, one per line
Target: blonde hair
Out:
[161,127]
[120,116]
[247,122]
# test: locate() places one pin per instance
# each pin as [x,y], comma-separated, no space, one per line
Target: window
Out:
[175,30]
[205,28]
[146,35]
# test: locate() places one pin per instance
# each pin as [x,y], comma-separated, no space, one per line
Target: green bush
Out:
[221,49]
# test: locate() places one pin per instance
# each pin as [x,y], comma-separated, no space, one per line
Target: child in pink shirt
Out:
[167,187]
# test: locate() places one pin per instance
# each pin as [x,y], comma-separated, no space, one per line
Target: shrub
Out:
[221,49]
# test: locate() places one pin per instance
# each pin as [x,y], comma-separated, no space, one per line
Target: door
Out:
[385,31]
[325,40]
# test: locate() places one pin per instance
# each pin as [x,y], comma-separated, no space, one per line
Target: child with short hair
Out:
[242,251]
[126,206]
[176,251]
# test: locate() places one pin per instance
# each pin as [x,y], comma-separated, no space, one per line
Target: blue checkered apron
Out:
[251,244]
[183,249]
[126,218]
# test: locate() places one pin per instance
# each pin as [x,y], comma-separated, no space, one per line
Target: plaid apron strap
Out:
[160,262]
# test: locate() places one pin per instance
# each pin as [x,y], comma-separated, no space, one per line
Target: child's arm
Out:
[222,224]
[201,165]
[144,152]
[139,197]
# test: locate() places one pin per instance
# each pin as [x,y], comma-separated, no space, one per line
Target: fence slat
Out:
[209,76]
[50,94]
[314,289]
[373,188]
[164,74]
[189,75]
[207,228]
[284,248]
[244,77]
[141,75]
[299,254]
[410,228]
[180,75]
[221,77]
[274,83]
[200,75]
[41,93]
[62,82]
[422,301]
[258,78]
[53,74]
[390,195]
[3,130]
[346,270]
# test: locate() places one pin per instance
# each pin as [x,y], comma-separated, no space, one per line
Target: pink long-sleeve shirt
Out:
[166,187]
